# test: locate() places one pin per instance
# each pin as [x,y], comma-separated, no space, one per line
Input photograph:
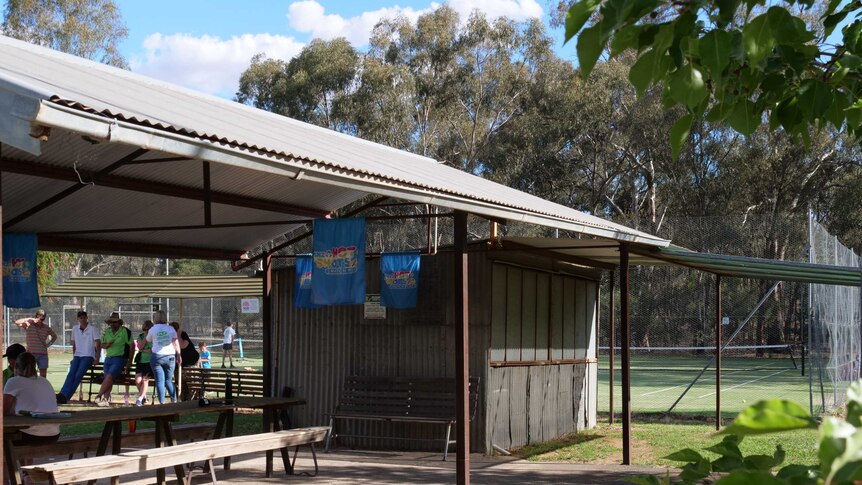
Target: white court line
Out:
[683,385]
[744,383]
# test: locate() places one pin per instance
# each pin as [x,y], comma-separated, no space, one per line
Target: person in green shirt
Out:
[117,341]
[12,353]
[143,370]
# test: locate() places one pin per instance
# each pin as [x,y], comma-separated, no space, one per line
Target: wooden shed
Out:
[532,335]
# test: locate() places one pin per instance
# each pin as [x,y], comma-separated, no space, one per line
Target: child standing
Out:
[205,356]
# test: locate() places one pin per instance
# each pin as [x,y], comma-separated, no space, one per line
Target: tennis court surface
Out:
[659,379]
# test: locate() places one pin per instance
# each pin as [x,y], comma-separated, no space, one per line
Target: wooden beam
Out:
[100,246]
[70,190]
[158,188]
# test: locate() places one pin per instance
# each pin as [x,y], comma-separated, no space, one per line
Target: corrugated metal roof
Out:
[307,152]
[724,265]
[159,287]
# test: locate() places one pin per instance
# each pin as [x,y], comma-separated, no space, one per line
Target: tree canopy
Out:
[741,63]
[91,29]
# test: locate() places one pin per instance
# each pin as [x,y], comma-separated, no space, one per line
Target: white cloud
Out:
[207,63]
[514,9]
[309,16]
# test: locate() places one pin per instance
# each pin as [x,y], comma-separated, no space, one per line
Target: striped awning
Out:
[208,286]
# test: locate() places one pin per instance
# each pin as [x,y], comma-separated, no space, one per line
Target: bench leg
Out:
[446,444]
[313,456]
[13,466]
[330,433]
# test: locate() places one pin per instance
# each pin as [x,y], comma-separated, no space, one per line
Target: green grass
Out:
[657,381]
[652,441]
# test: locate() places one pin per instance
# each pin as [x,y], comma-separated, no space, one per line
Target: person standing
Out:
[205,356]
[85,341]
[39,338]
[166,355]
[227,343]
[115,339]
[143,369]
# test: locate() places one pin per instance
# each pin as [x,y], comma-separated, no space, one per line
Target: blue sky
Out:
[205,45]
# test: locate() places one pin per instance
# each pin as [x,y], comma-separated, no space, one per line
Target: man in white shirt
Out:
[85,341]
[227,344]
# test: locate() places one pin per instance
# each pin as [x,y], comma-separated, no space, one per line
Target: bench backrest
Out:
[243,382]
[404,396]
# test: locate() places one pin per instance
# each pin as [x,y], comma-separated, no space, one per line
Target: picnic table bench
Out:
[400,399]
[199,381]
[115,466]
[89,443]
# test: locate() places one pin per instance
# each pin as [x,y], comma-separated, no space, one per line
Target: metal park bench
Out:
[115,466]
[400,399]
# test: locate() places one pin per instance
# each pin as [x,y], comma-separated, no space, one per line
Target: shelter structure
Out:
[98,159]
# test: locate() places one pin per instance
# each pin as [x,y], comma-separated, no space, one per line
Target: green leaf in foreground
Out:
[745,117]
[685,455]
[771,416]
[578,15]
[590,45]
[746,477]
[678,135]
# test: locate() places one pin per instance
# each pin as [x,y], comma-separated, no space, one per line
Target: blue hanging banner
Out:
[399,279]
[338,275]
[20,288]
[302,292]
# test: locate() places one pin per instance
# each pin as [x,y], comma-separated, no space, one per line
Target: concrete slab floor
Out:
[384,467]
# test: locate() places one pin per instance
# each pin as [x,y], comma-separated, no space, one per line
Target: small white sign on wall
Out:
[373,309]
[250,305]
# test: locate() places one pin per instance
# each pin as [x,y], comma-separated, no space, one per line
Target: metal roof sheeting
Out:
[165,114]
[159,286]
[732,266]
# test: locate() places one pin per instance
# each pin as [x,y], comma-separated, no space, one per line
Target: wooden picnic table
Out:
[161,414]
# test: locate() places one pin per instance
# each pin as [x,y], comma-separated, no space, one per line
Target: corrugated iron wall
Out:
[318,348]
[542,380]
[518,404]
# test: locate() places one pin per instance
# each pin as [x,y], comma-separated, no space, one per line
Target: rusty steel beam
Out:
[244,263]
[460,286]
[568,258]
[70,190]
[101,246]
[151,187]
[625,354]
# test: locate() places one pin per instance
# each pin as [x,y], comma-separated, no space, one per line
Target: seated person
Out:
[12,353]
[27,391]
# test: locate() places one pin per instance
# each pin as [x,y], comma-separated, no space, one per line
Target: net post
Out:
[717,352]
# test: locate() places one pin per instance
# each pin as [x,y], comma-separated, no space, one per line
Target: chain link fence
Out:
[673,321]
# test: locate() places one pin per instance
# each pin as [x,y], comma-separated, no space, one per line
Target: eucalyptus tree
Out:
[92,29]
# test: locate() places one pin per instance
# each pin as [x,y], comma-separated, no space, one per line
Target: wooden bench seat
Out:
[199,382]
[114,466]
[89,443]
[400,399]
[92,380]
